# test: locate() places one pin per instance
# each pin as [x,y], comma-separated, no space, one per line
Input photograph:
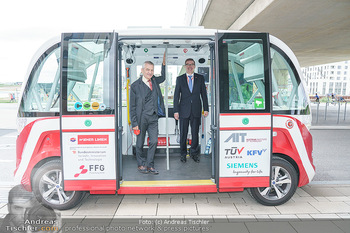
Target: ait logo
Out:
[289,124]
[73,139]
[83,171]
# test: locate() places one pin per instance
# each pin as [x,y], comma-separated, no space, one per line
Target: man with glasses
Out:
[189,94]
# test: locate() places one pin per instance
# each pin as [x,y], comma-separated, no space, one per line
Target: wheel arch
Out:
[290,160]
[39,164]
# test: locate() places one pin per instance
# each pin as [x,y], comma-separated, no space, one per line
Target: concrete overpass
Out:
[318,31]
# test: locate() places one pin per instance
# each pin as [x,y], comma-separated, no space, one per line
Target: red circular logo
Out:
[185,50]
[289,124]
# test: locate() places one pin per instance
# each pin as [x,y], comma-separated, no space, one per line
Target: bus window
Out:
[42,91]
[288,92]
[88,82]
[244,87]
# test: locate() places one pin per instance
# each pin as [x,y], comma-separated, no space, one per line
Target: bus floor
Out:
[177,170]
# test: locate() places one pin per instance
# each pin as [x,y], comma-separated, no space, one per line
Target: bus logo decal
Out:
[245,121]
[289,124]
[88,123]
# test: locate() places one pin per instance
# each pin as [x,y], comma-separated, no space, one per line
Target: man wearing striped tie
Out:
[146,105]
[190,93]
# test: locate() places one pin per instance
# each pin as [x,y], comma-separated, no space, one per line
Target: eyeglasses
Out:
[190,64]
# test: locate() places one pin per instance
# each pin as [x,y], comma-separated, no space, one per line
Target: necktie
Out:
[150,84]
[190,82]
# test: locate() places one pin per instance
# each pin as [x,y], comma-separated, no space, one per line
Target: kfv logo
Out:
[236,137]
[256,152]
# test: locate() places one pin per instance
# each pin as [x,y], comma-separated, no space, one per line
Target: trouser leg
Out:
[140,140]
[183,135]
[195,122]
[153,139]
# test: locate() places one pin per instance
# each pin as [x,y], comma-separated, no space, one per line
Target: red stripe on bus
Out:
[90,185]
[244,182]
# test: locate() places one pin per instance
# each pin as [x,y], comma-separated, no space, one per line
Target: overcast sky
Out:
[27,24]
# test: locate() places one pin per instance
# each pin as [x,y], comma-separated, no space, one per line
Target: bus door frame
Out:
[91,125]
[248,123]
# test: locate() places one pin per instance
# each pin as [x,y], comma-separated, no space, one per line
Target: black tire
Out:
[48,187]
[283,184]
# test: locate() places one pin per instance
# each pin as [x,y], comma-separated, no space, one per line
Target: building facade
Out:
[194,12]
[328,78]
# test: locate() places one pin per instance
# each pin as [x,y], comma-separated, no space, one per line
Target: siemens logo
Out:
[242,165]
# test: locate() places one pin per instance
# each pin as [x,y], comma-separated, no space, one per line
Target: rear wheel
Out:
[284,181]
[48,187]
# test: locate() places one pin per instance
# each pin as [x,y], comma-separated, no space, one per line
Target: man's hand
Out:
[206,113]
[176,116]
[135,128]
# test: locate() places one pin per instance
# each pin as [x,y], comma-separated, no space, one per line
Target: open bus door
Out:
[244,112]
[88,118]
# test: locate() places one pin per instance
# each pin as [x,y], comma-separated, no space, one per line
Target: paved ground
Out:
[314,208]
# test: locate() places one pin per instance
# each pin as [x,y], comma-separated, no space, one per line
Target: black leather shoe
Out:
[153,171]
[183,159]
[196,159]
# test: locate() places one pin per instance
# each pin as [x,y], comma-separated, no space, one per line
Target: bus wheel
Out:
[284,180]
[48,187]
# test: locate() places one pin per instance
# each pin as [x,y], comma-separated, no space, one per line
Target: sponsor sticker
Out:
[86,106]
[78,106]
[95,106]
[102,106]
[93,139]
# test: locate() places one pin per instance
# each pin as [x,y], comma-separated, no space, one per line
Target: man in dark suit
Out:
[189,90]
[146,103]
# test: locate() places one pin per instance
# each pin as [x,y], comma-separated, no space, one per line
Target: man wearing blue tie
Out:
[189,94]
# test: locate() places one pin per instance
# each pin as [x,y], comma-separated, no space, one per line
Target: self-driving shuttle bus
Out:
[75,134]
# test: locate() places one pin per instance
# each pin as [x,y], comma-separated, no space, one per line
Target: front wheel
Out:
[48,187]
[284,181]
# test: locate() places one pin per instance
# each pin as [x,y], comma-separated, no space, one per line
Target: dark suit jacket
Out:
[137,97]
[186,102]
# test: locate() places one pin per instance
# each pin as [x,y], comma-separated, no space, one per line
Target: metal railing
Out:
[340,111]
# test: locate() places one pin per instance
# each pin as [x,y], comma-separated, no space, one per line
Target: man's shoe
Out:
[183,159]
[153,171]
[142,169]
[196,159]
